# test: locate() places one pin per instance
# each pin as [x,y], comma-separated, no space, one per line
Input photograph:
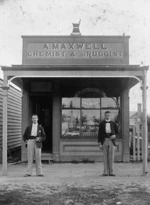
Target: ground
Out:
[76,184]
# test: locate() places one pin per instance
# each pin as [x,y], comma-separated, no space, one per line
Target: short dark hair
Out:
[107,112]
[35,115]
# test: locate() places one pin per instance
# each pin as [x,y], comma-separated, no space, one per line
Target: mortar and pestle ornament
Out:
[76,30]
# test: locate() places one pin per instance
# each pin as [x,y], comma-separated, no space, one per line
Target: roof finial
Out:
[76,30]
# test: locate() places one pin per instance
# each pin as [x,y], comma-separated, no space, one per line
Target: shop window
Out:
[81,116]
[71,123]
[90,122]
[90,102]
[110,102]
[70,102]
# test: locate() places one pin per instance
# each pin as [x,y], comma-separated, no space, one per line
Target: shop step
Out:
[47,157]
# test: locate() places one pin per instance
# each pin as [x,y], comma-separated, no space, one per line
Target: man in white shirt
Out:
[33,137]
[106,139]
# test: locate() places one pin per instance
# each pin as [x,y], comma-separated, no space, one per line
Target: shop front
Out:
[70,81]
[70,109]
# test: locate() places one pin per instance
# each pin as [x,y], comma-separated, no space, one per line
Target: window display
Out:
[70,102]
[70,123]
[90,122]
[109,102]
[91,103]
[81,116]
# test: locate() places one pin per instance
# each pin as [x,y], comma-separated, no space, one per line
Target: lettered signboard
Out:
[79,50]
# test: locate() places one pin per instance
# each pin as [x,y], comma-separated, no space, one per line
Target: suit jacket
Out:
[102,132]
[40,133]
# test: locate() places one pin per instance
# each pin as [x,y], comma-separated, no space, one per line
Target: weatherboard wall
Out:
[14,117]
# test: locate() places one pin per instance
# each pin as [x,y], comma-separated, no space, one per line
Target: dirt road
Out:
[76,184]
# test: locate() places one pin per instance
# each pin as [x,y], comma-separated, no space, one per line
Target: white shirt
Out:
[107,127]
[34,129]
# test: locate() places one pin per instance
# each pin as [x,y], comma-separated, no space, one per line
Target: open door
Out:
[42,106]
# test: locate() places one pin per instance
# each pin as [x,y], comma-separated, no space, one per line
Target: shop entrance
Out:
[42,106]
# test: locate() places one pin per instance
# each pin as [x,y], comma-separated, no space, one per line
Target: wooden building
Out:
[70,81]
[14,118]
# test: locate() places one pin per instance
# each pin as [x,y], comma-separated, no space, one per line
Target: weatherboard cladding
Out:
[14,117]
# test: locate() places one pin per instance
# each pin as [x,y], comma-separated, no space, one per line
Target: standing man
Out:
[33,137]
[106,139]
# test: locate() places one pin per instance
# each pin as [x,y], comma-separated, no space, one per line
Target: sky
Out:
[98,17]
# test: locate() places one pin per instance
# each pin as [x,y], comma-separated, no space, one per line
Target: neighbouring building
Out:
[136,119]
[14,119]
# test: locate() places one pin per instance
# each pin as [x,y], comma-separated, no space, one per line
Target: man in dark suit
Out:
[33,137]
[106,139]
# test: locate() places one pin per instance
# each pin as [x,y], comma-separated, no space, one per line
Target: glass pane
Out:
[90,102]
[90,122]
[114,115]
[70,102]
[109,103]
[70,123]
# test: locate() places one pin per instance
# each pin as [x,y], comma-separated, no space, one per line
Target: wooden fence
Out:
[136,143]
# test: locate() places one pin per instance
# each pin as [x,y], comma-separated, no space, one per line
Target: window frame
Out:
[80,117]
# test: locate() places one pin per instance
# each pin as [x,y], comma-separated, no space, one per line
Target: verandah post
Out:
[145,138]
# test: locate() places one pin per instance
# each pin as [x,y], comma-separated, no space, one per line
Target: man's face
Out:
[107,116]
[34,119]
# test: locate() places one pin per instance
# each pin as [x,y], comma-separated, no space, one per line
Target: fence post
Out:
[138,142]
[144,120]
[134,154]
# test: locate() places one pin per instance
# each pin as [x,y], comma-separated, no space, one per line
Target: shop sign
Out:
[77,50]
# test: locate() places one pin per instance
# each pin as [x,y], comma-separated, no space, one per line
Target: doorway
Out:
[41,104]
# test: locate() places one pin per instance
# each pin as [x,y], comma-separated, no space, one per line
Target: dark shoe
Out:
[104,175]
[40,175]
[112,175]
[27,175]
